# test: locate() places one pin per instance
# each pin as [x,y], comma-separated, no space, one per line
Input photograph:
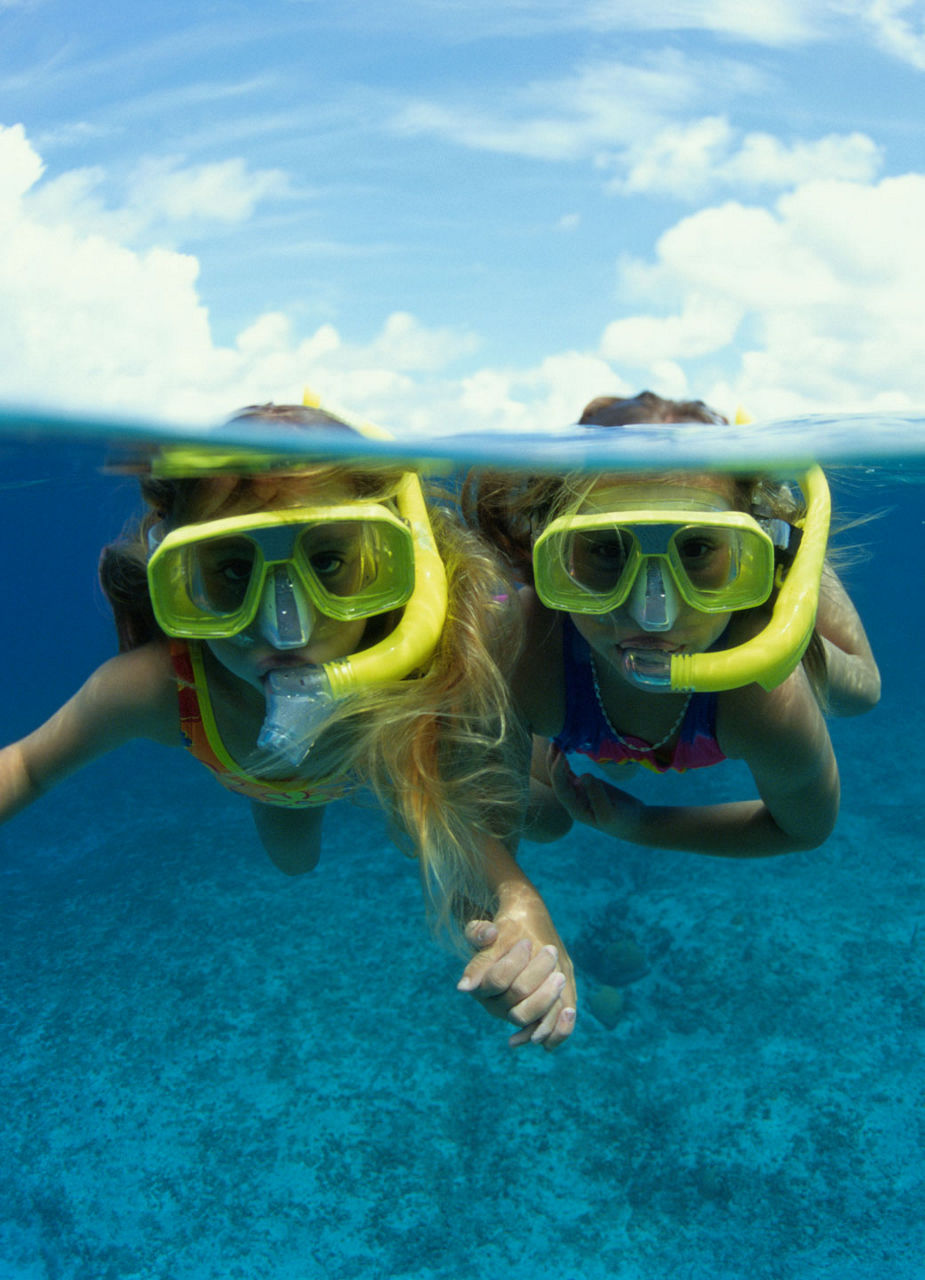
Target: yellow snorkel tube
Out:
[419,629]
[769,658]
[300,699]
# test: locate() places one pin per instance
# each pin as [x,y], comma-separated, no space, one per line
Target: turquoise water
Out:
[208,1070]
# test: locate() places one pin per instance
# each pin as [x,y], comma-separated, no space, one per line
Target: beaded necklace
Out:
[616,732]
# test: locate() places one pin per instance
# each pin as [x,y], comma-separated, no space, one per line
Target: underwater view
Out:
[210,1070]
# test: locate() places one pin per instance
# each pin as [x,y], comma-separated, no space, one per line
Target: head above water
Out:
[204,493]
[621,411]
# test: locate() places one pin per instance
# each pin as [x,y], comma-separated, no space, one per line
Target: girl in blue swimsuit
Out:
[640,569]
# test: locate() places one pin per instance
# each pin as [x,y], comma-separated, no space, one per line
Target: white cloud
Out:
[817,304]
[706,323]
[90,323]
[766,22]
[691,159]
[899,28]
[226,191]
[813,305]
[638,125]
[20,167]
[161,196]
[769,22]
[602,104]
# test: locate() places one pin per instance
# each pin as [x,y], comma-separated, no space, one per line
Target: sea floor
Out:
[209,1071]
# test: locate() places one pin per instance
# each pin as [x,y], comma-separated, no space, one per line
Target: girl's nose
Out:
[653,602]
[287,617]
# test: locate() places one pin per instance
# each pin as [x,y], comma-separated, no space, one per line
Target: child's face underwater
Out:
[612,635]
[252,654]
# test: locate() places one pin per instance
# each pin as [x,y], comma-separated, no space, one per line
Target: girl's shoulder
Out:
[140,686]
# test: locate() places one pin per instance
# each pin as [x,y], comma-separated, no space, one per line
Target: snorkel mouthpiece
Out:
[648,668]
[298,704]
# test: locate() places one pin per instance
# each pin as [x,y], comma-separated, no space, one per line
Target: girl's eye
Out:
[595,561]
[327,564]
[697,549]
[222,575]
[706,558]
[607,551]
[233,572]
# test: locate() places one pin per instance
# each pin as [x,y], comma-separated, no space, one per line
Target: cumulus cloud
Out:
[819,302]
[89,322]
[814,304]
[161,196]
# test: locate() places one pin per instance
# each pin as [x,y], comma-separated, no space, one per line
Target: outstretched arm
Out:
[522,971]
[131,696]
[782,737]
[853,685]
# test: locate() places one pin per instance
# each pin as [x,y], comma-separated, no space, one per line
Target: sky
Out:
[457,215]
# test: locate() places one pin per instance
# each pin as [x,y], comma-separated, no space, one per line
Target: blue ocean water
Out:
[209,1070]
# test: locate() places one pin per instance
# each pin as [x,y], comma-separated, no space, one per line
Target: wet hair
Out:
[512,509]
[441,749]
[620,411]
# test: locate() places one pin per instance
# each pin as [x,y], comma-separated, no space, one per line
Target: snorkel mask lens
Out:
[652,560]
[213,580]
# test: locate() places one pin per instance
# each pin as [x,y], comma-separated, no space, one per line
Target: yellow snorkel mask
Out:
[650,560]
[277,570]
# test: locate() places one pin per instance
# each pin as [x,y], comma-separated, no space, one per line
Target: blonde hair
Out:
[441,749]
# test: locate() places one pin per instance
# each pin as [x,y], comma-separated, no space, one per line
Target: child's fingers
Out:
[487,979]
[545,1027]
[604,801]
[531,993]
[562,1028]
[550,1032]
[538,1004]
[481,933]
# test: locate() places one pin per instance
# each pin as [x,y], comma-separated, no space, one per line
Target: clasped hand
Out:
[522,981]
[593,801]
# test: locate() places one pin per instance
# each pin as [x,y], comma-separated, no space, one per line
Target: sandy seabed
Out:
[209,1071]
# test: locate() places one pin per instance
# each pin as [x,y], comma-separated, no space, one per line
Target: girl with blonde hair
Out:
[313,628]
